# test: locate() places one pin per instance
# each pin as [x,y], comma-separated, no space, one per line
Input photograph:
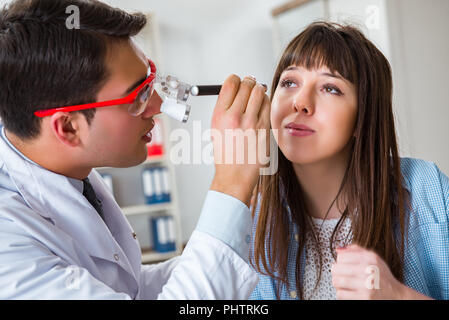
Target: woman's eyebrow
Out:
[291,68]
[328,74]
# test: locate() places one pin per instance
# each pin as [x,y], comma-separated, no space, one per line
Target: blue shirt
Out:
[426,256]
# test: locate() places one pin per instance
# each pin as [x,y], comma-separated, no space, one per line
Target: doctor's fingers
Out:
[240,102]
[228,92]
[256,103]
[264,113]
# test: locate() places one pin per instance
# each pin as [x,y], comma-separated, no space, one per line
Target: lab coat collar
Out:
[55,197]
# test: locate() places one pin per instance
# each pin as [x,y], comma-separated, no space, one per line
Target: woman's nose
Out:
[303,101]
[306,108]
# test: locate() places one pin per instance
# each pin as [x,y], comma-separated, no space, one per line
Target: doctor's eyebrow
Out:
[134,86]
[138,82]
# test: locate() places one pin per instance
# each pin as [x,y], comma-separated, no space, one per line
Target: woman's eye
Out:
[287,83]
[332,90]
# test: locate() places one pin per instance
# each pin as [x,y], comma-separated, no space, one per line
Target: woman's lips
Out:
[299,130]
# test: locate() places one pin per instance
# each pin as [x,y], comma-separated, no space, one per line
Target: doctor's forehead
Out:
[127,67]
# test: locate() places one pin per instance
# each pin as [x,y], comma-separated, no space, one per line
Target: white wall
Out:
[420,51]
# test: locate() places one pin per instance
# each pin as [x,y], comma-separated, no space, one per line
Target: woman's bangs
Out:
[318,48]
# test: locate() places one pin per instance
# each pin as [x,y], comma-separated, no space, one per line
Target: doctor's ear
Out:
[67,127]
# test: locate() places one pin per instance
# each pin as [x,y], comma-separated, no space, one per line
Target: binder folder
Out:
[156,185]
[164,237]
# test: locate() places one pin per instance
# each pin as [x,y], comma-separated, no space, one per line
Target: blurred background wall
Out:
[204,42]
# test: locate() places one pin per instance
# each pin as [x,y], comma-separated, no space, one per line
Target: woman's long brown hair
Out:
[377,203]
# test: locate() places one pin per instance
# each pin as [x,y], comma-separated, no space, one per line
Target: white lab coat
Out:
[54,245]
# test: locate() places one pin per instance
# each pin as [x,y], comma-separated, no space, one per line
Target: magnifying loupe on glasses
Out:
[176,93]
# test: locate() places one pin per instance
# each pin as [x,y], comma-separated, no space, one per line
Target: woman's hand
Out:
[242,112]
[361,274]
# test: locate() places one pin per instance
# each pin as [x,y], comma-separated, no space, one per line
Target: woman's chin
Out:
[303,162]
[300,159]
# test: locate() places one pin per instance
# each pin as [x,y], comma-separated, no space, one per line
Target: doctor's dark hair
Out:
[44,64]
[373,191]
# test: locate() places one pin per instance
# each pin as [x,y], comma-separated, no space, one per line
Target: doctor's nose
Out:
[154,106]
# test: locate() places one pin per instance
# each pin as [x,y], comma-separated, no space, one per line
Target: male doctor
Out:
[62,235]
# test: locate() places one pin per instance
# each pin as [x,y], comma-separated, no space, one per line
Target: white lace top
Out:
[323,229]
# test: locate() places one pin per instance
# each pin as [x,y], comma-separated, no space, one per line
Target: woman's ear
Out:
[67,127]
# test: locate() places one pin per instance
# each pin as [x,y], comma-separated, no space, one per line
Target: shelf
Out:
[153,256]
[147,208]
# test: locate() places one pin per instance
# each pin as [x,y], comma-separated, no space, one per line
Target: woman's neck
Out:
[321,181]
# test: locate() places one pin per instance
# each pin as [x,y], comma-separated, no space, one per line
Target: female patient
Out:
[345,217]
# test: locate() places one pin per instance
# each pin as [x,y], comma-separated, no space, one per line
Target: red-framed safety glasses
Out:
[138,99]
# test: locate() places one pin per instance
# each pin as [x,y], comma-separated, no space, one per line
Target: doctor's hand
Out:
[240,131]
[361,274]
